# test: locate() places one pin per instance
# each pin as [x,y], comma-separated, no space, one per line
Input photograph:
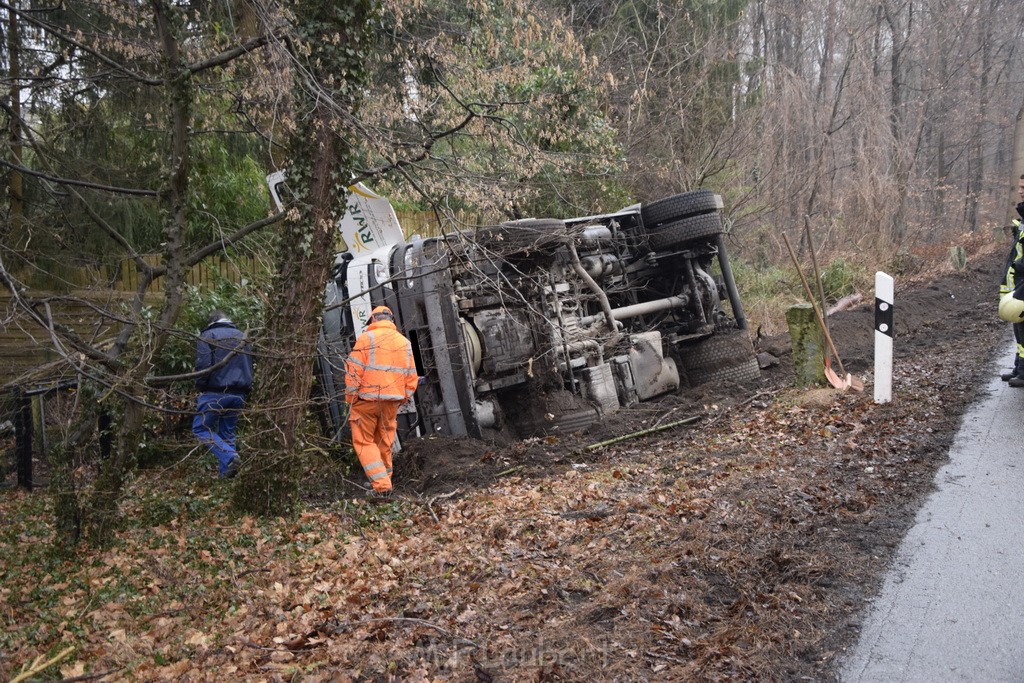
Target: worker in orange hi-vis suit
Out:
[380,375]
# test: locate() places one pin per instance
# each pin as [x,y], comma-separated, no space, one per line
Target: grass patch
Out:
[768,291]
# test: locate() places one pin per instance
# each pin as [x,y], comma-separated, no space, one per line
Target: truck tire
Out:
[727,356]
[678,206]
[680,232]
[530,234]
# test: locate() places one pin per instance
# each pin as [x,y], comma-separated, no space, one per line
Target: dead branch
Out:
[39,665]
[644,432]
[198,255]
[340,626]
[848,301]
[257,646]
[230,54]
[430,509]
[87,677]
[79,183]
[443,496]
[263,570]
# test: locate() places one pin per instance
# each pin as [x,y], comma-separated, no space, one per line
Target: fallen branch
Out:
[252,571]
[744,402]
[38,665]
[593,514]
[339,626]
[430,509]
[87,677]
[848,301]
[644,432]
[445,496]
[510,470]
[429,504]
[257,646]
[667,658]
[663,417]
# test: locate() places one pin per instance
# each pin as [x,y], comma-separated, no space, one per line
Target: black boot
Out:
[1007,376]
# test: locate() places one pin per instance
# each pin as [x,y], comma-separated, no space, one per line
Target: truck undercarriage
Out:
[539,326]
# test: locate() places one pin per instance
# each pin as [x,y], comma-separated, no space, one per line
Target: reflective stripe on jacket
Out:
[381,366]
[1009,282]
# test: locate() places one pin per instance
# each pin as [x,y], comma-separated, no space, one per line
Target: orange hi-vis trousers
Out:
[374,424]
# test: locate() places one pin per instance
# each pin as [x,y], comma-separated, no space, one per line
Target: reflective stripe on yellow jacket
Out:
[381,366]
[1009,282]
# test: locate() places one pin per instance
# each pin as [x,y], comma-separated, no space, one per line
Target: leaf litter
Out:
[743,547]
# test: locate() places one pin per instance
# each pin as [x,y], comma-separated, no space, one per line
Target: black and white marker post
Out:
[884,291]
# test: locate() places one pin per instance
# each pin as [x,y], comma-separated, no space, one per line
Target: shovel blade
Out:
[834,379]
[854,382]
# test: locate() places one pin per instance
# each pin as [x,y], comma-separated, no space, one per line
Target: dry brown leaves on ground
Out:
[742,548]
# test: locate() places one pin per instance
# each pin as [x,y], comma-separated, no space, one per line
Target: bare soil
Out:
[744,545]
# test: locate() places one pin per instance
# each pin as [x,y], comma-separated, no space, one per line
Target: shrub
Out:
[242,302]
[839,279]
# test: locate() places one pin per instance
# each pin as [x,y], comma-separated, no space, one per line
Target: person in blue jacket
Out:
[223,356]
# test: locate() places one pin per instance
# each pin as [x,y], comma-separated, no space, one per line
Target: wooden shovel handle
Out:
[810,297]
[817,273]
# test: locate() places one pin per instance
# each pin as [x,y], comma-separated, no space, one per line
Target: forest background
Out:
[140,134]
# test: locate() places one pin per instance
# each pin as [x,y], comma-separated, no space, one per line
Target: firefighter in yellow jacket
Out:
[380,375]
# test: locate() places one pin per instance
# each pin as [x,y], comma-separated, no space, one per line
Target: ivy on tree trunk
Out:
[329,51]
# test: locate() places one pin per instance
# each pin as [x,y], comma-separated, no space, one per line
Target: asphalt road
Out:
[952,605]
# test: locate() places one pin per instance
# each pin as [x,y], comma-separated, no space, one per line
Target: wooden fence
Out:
[206,273]
[125,276]
[24,346]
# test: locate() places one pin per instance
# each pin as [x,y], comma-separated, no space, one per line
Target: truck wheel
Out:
[680,232]
[530,234]
[679,206]
[726,356]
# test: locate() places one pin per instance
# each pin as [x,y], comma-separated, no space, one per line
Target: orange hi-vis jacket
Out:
[381,366]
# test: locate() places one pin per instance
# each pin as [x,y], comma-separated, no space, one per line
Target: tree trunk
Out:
[67,508]
[15,183]
[100,516]
[977,179]
[897,122]
[827,53]
[269,481]
[322,166]
[940,124]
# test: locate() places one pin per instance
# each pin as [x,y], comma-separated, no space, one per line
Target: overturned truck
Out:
[539,326]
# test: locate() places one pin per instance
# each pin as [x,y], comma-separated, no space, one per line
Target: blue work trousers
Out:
[214,425]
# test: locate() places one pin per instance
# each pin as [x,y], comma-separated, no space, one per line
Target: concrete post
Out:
[808,344]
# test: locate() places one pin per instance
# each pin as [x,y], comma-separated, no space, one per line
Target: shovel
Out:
[849,381]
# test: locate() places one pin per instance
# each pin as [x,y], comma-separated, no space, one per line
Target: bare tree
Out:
[118,369]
